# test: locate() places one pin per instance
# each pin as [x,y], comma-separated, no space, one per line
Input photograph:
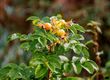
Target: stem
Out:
[92,78]
[49,74]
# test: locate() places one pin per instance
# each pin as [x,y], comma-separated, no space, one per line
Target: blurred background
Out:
[13,15]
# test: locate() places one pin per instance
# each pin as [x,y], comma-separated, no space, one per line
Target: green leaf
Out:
[26,71]
[79,28]
[59,16]
[33,18]
[77,37]
[11,65]
[59,49]
[35,61]
[46,19]
[66,47]
[14,71]
[50,37]
[23,37]
[50,66]
[94,65]
[77,67]
[40,71]
[34,46]
[15,74]
[25,46]
[108,64]
[83,60]
[40,41]
[77,49]
[75,58]
[89,42]
[73,30]
[63,58]
[15,36]
[54,60]
[85,52]
[3,72]
[87,66]
[72,78]
[39,32]
[67,67]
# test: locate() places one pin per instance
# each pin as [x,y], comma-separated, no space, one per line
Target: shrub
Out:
[50,41]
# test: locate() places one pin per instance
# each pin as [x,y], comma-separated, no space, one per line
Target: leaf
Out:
[59,16]
[54,60]
[59,49]
[85,52]
[34,46]
[12,65]
[23,37]
[67,67]
[77,49]
[39,32]
[108,64]
[15,36]
[67,47]
[79,28]
[89,42]
[94,65]
[25,46]
[33,18]
[74,59]
[72,78]
[73,30]
[87,66]
[77,67]
[50,66]
[82,60]
[40,71]
[46,19]
[26,71]
[40,41]
[51,37]
[3,72]
[15,74]
[63,58]
[77,37]
[35,62]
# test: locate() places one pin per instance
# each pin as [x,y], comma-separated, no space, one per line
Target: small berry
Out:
[47,26]
[61,33]
[40,25]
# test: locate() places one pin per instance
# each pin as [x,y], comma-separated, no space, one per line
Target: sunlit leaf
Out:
[40,71]
[79,28]
[85,52]
[72,78]
[67,67]
[77,67]
[64,58]
[33,18]
[73,30]
[46,19]
[25,46]
[15,36]
[55,61]
[87,66]
[77,37]
[95,66]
